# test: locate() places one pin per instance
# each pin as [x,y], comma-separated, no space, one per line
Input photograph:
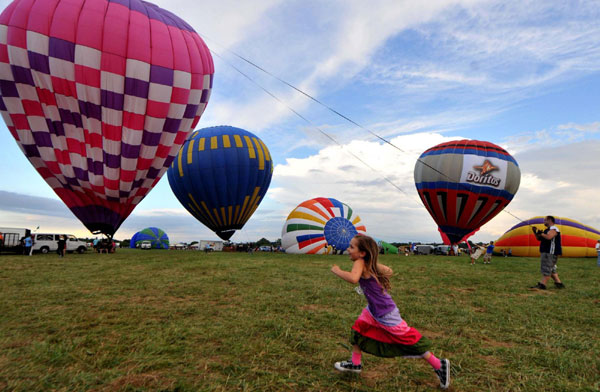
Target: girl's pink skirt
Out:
[388,336]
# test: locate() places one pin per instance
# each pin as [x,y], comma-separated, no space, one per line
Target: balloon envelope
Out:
[465,183]
[132,242]
[387,247]
[220,176]
[159,238]
[577,239]
[317,225]
[100,96]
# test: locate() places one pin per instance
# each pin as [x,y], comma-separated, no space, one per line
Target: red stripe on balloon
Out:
[306,243]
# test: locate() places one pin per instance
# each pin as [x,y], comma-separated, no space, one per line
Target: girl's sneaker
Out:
[348,366]
[444,374]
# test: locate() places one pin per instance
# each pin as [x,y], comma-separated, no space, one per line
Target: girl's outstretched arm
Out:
[352,276]
[384,269]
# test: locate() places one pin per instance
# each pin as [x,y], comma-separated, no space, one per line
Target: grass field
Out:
[189,321]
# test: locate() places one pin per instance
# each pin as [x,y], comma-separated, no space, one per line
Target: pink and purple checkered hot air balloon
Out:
[100,95]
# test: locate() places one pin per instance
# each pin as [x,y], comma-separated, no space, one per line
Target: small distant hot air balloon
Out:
[465,183]
[317,225]
[157,237]
[220,176]
[99,96]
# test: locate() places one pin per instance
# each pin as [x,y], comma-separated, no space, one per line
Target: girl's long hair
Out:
[369,246]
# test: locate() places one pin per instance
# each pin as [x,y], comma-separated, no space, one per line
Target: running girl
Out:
[380,330]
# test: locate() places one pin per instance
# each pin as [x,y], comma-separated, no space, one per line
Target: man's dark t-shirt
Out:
[553,246]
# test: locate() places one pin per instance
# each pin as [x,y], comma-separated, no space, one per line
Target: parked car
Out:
[48,242]
[146,245]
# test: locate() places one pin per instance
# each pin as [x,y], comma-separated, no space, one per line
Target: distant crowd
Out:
[104,245]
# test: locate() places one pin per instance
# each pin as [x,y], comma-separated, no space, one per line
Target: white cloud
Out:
[228,21]
[562,134]
[323,59]
[535,185]
[332,172]
[589,128]
[554,181]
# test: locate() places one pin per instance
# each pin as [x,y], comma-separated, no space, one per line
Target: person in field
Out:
[380,330]
[476,252]
[61,245]
[28,245]
[550,249]
[487,258]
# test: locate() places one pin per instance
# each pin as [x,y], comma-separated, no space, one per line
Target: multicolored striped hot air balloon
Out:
[465,183]
[100,95]
[318,225]
[220,176]
[156,236]
[577,239]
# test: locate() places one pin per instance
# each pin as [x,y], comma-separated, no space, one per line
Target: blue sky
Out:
[521,74]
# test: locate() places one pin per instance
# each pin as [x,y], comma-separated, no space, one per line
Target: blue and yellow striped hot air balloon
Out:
[220,176]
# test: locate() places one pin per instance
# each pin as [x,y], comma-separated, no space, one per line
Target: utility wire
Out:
[309,122]
[253,64]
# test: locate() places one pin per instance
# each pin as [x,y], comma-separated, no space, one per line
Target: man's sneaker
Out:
[539,286]
[444,373]
[348,366]
[559,285]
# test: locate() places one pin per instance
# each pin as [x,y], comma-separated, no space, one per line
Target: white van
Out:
[146,245]
[48,242]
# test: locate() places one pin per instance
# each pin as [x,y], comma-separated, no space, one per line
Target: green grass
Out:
[189,321]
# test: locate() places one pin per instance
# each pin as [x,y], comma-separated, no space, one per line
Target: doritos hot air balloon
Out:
[465,183]
[220,176]
[100,95]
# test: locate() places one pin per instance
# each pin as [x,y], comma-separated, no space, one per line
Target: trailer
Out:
[424,249]
[12,239]
[210,246]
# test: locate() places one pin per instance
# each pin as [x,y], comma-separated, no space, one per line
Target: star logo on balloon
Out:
[486,168]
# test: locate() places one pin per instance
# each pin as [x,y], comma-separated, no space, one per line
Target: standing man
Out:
[487,258]
[550,249]
[598,251]
[455,249]
[62,246]
[28,245]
